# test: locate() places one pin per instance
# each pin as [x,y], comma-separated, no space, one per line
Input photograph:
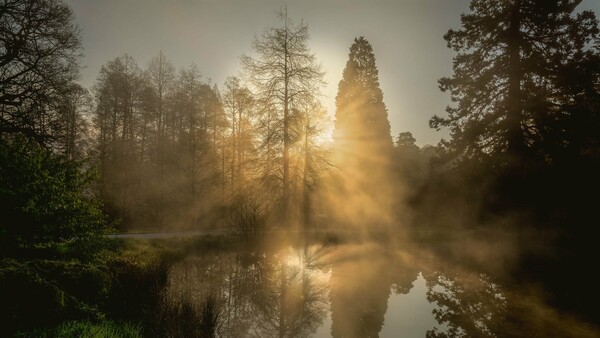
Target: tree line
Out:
[168,143]
[172,148]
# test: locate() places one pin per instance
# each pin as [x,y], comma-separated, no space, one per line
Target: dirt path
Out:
[169,234]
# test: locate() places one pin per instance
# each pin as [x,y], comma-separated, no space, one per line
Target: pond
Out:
[359,289]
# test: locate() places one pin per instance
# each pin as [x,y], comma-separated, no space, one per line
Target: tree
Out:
[312,157]
[285,74]
[40,48]
[363,143]
[406,142]
[117,118]
[511,81]
[72,130]
[237,101]
[161,77]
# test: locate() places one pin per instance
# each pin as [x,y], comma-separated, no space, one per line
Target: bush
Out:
[246,217]
[45,199]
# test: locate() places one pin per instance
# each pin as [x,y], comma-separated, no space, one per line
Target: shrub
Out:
[246,217]
[45,199]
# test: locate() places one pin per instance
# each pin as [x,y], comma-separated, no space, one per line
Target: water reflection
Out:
[468,304]
[361,281]
[261,294]
[354,290]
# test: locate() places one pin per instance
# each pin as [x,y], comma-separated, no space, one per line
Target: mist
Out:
[296,192]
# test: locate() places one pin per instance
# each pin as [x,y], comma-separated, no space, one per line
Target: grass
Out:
[86,329]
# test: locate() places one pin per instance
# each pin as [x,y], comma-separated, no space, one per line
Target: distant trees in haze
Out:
[171,144]
[158,138]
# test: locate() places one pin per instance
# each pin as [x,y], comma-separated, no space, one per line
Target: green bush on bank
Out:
[45,200]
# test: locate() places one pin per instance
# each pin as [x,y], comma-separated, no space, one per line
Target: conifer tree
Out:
[361,115]
[363,143]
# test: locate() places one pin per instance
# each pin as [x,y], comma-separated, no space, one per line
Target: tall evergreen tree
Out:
[361,115]
[363,143]
[513,86]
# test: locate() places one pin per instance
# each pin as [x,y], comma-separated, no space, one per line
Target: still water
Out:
[360,289]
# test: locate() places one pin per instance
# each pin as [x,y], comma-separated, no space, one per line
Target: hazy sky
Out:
[406,36]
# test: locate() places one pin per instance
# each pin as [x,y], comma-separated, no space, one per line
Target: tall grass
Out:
[187,319]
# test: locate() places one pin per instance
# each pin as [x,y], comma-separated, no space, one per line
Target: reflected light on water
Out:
[364,289]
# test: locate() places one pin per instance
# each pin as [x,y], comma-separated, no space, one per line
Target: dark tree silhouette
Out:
[518,77]
[39,52]
[405,142]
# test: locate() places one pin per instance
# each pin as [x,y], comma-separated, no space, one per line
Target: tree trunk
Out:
[286,136]
[514,117]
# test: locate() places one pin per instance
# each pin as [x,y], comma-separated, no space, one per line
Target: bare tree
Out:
[285,73]
[237,101]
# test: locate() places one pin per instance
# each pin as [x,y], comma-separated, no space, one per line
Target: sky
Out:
[406,35]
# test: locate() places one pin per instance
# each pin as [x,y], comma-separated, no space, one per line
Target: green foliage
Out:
[86,329]
[42,293]
[45,199]
[125,284]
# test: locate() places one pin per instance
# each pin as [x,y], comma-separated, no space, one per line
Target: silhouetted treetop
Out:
[361,112]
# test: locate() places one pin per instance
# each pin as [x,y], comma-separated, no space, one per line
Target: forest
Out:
[157,202]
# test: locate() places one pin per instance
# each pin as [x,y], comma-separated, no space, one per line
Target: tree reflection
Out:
[261,294]
[469,304]
[287,293]
[361,280]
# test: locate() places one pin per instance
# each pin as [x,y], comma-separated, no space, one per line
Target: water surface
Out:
[361,289]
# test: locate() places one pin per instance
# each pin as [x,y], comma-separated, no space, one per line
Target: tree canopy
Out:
[39,54]
[525,80]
